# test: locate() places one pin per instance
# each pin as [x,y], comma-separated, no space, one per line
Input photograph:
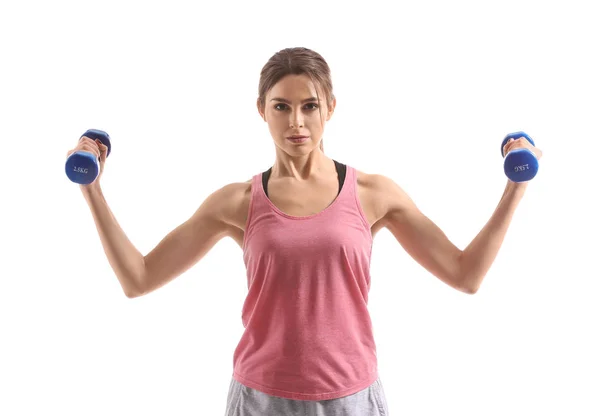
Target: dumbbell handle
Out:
[520,165]
[83,167]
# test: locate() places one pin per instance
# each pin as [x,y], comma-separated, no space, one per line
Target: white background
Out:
[426,93]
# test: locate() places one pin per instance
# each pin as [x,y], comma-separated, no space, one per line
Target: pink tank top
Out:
[308,332]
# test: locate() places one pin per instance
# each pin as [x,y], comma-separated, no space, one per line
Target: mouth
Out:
[297,138]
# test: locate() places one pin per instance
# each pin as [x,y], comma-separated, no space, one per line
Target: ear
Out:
[260,109]
[331,109]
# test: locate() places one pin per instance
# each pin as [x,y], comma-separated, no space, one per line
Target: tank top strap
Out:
[349,192]
[349,203]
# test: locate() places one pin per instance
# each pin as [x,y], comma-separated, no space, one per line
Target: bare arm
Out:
[126,261]
[429,246]
[422,239]
[189,242]
[176,253]
[479,255]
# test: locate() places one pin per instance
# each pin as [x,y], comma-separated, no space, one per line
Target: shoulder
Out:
[234,191]
[372,181]
[230,203]
[383,193]
[378,184]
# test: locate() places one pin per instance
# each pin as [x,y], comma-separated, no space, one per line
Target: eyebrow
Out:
[283,100]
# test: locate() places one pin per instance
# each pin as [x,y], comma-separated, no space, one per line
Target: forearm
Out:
[126,261]
[477,258]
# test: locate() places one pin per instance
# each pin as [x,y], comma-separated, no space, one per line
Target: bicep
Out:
[183,247]
[421,238]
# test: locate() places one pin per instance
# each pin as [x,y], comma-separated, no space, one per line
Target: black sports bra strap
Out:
[341,171]
[339,167]
[265,179]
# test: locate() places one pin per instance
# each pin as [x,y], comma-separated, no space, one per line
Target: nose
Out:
[296,119]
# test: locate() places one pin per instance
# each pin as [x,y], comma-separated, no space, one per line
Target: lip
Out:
[298,139]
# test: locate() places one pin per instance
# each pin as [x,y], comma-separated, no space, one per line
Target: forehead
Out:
[294,86]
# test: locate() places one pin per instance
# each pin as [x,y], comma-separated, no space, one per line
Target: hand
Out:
[95,147]
[522,143]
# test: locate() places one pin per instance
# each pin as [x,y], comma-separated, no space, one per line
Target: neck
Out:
[301,167]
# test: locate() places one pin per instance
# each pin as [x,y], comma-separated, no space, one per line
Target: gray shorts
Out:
[245,401]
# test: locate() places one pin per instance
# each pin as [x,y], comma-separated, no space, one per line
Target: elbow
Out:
[135,289]
[466,284]
[469,286]
[131,295]
[470,290]
[465,280]
[467,289]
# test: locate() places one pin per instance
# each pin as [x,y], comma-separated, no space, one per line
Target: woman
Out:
[306,228]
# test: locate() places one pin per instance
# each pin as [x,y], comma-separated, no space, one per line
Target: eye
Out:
[309,106]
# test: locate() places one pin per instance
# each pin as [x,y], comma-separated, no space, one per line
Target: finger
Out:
[101,145]
[103,150]
[91,149]
[507,145]
[86,140]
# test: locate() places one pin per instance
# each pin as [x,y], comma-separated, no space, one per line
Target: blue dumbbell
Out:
[520,165]
[83,167]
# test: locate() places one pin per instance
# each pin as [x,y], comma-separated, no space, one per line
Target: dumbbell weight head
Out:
[520,165]
[83,167]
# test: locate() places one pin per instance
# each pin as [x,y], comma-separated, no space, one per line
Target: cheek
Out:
[278,122]
[319,120]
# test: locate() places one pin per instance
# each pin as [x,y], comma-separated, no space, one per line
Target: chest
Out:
[310,198]
[318,226]
[302,200]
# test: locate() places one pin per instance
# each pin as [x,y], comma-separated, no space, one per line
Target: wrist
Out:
[516,188]
[91,189]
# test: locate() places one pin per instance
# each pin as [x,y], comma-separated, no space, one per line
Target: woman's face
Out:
[291,109]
